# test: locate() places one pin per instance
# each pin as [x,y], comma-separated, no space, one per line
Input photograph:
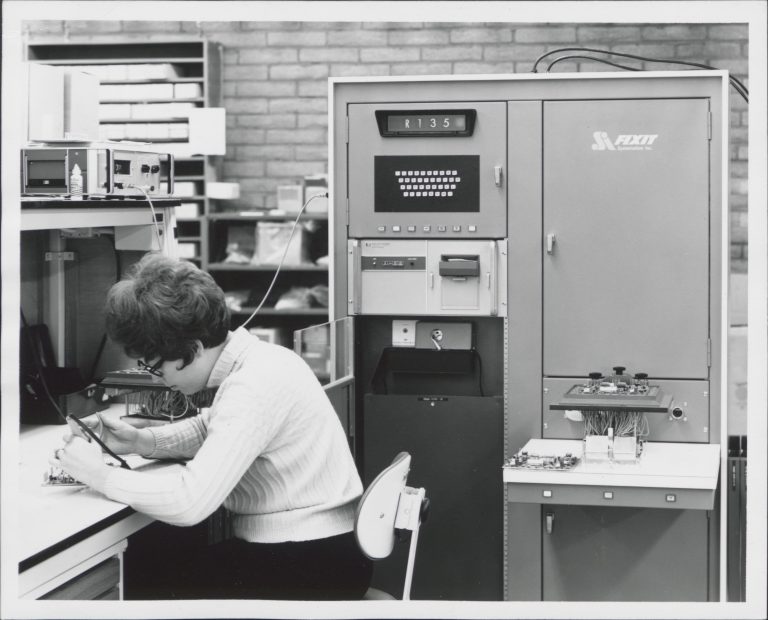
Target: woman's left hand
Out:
[83,460]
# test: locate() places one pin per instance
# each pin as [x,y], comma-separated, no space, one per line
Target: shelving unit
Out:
[146,89]
[249,280]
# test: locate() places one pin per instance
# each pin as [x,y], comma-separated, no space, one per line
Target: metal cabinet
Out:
[626,225]
[591,553]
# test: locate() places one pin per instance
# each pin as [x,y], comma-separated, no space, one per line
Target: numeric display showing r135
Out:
[400,123]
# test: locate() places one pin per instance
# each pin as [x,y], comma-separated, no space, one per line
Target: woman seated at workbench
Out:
[270,448]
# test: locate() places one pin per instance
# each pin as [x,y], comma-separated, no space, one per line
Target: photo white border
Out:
[15,12]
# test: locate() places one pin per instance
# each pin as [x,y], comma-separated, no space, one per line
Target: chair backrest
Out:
[376,512]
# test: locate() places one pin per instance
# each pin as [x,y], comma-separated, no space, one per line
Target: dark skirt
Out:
[325,569]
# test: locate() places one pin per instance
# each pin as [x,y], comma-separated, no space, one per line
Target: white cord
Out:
[282,258]
[154,216]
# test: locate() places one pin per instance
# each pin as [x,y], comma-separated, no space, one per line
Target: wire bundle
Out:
[623,423]
[737,85]
[168,404]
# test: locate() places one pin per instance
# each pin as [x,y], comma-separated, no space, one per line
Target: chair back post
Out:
[409,518]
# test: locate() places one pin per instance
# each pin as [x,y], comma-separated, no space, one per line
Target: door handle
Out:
[551,243]
[550,520]
[498,175]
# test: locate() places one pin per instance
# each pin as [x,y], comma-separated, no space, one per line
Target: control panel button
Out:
[546,493]
[671,497]
[457,229]
[471,228]
[426,228]
[382,229]
[395,228]
[411,229]
[607,494]
[442,228]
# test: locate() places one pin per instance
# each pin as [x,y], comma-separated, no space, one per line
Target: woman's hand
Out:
[120,437]
[82,460]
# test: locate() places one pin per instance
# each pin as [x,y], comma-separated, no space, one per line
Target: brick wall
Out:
[275,78]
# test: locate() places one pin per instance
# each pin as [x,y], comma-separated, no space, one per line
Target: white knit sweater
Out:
[270,448]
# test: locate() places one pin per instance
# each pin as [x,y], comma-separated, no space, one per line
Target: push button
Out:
[442,228]
[382,229]
[607,494]
[471,228]
[411,229]
[426,228]
[395,228]
[457,229]
[546,493]
[671,497]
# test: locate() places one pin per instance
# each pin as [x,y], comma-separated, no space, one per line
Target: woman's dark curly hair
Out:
[163,307]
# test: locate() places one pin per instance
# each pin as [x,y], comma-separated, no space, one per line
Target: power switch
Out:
[145,168]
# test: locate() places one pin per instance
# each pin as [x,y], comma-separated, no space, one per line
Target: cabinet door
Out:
[624,554]
[626,248]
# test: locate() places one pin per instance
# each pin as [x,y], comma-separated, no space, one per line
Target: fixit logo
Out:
[623,142]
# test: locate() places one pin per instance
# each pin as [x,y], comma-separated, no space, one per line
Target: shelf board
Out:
[159,140]
[155,119]
[161,100]
[171,80]
[283,312]
[257,216]
[65,215]
[236,267]
[120,61]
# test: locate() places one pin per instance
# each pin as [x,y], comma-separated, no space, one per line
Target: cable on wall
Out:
[737,85]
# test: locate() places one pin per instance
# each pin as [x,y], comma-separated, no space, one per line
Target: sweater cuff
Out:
[161,443]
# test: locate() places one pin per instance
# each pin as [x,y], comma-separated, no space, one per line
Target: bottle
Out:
[76,184]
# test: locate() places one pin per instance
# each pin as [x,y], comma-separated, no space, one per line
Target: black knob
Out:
[155,168]
[595,375]
[619,370]
[145,168]
[641,375]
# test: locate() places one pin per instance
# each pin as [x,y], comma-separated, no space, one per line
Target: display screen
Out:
[413,123]
[426,122]
[427,183]
[122,166]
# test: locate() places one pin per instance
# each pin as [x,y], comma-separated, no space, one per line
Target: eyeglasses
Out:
[154,369]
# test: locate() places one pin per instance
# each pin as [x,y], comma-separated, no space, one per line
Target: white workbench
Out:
[667,475]
[65,530]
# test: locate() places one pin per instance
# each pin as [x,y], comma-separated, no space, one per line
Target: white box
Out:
[188,210]
[318,205]
[222,191]
[187,249]
[184,188]
[114,111]
[271,241]
[290,198]
[187,91]
[207,131]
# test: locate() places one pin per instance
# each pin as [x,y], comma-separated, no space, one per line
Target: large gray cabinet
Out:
[626,225]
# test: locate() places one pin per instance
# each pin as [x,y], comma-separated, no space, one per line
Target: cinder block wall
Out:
[275,88]
[275,78]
